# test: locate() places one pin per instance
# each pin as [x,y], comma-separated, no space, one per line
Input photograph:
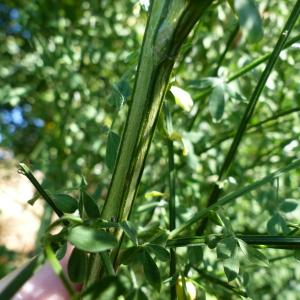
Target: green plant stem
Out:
[57,268]
[282,242]
[274,259]
[251,106]
[234,195]
[168,25]
[216,281]
[270,241]
[108,266]
[260,60]
[172,192]
[23,169]
[228,45]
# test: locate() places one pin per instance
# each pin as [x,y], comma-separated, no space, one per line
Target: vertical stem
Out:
[228,45]
[168,25]
[172,197]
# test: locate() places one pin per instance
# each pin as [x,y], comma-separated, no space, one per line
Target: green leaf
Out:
[252,254]
[288,205]
[112,146]
[249,18]
[130,255]
[136,294]
[195,255]
[124,89]
[212,241]
[151,271]
[130,231]
[256,257]
[61,251]
[90,239]
[227,228]
[243,246]
[90,206]
[116,98]
[204,83]
[182,98]
[226,248]
[217,102]
[77,265]
[277,224]
[109,287]
[215,218]
[65,203]
[297,254]
[160,252]
[233,94]
[231,268]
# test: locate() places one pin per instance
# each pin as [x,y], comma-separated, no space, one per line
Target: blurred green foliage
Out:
[66,75]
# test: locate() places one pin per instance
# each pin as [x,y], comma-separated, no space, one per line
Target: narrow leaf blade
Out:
[90,206]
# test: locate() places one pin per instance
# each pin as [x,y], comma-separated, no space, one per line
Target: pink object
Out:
[44,284]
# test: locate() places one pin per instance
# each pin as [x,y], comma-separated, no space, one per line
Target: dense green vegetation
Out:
[213,86]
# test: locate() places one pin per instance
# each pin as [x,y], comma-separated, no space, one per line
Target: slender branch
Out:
[270,241]
[23,169]
[260,60]
[232,196]
[251,107]
[172,192]
[217,281]
[228,45]
[251,128]
[58,270]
